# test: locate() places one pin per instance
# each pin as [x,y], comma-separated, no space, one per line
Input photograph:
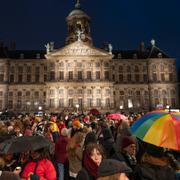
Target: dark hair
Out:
[91,146]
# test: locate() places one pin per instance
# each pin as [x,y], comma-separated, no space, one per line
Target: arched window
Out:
[19,93]
[136,69]
[156,93]
[154,68]
[128,68]
[120,69]
[173,92]
[162,68]
[164,93]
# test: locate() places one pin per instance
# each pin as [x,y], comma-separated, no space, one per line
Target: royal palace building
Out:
[83,76]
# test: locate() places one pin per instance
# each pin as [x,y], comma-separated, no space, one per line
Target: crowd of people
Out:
[84,147]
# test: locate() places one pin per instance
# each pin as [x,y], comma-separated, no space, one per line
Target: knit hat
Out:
[126,141]
[64,132]
[76,123]
[110,167]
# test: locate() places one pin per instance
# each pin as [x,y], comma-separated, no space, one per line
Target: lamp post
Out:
[40,108]
[121,107]
[77,106]
[168,107]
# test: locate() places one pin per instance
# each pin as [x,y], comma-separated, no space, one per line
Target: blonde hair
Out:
[75,140]
[112,177]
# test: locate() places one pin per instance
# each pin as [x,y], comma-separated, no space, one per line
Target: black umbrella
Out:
[23,144]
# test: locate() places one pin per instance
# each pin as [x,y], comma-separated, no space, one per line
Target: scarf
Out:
[90,165]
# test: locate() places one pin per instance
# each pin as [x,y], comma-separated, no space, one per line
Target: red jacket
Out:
[45,170]
[60,149]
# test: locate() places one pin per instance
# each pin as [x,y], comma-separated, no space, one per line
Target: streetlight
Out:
[121,107]
[40,108]
[168,107]
[77,106]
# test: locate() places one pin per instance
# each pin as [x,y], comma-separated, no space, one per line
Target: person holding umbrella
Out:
[40,166]
[155,165]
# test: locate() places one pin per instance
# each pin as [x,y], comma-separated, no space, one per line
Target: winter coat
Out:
[75,162]
[127,159]
[108,142]
[45,170]
[148,171]
[60,149]
[83,174]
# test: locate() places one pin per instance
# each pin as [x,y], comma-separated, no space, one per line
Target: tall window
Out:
[79,75]
[70,75]
[70,102]
[52,103]
[28,77]
[89,102]
[11,79]
[97,75]
[162,77]
[106,75]
[61,102]
[107,102]
[154,77]
[1,77]
[61,75]
[89,75]
[170,76]
[37,77]
[98,102]
[120,77]
[10,104]
[52,76]
[120,69]
[145,78]
[20,77]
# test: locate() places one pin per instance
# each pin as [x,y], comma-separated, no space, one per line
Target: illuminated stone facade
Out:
[81,74]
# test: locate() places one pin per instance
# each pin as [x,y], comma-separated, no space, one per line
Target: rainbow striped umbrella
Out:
[159,128]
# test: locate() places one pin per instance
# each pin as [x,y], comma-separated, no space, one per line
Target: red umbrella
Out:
[94,112]
[116,116]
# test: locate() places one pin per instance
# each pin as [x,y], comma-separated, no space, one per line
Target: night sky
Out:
[123,23]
